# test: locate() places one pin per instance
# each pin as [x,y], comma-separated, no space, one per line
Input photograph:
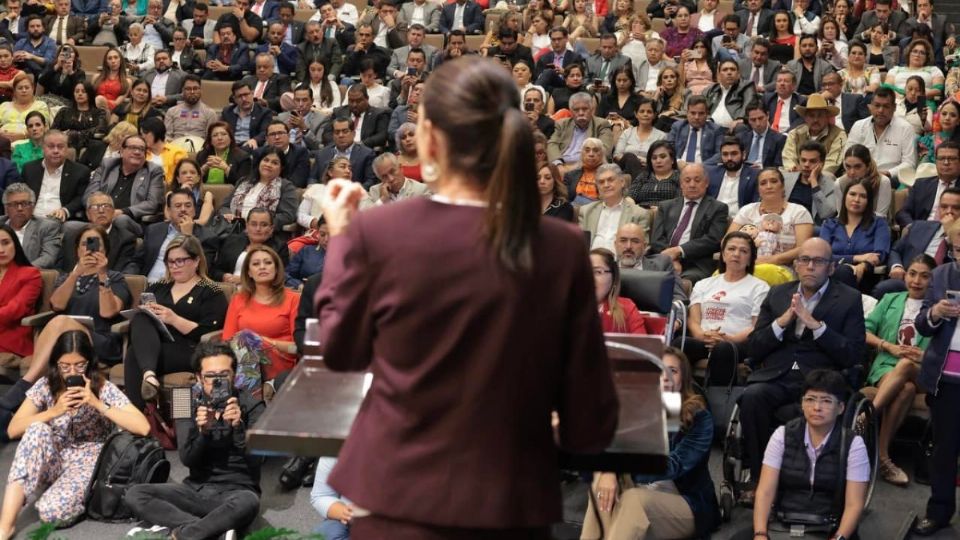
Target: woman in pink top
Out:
[698,66]
[260,319]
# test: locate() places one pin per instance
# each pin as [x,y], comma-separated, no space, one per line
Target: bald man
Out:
[812,323]
[631,246]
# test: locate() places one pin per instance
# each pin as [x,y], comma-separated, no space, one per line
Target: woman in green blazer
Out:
[890,330]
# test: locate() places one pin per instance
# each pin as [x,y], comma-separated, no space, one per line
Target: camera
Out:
[216,402]
[529,106]
[411,71]
[93,244]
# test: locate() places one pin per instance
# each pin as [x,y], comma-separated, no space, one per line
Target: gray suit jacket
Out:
[770,70]
[662,263]
[869,20]
[174,87]
[595,63]
[146,194]
[398,60]
[431,14]
[590,216]
[563,135]
[410,189]
[311,139]
[642,72]
[820,68]
[826,199]
[41,241]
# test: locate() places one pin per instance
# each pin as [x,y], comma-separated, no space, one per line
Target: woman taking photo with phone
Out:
[484,223]
[66,418]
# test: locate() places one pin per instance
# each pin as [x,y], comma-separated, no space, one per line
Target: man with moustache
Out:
[730,182]
[631,247]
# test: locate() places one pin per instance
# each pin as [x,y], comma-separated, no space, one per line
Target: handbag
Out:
[721,398]
[160,429]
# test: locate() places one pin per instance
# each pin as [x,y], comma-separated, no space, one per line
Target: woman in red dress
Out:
[20,286]
[112,84]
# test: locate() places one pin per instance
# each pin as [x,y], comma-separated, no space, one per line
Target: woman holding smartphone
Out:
[64,422]
[63,76]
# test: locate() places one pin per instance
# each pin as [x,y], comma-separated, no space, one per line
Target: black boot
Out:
[293,472]
[311,473]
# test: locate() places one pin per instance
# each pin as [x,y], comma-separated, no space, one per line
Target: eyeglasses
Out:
[19,205]
[810,401]
[948,159]
[100,207]
[140,149]
[177,263]
[817,261]
[276,134]
[212,376]
[73,368]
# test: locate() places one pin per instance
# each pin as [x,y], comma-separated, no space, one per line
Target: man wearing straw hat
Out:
[817,126]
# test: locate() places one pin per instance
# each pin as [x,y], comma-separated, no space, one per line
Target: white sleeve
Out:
[760,292]
[858,464]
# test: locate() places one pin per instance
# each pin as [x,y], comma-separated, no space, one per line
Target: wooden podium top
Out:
[312,413]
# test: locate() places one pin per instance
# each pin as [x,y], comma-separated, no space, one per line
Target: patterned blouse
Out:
[646,190]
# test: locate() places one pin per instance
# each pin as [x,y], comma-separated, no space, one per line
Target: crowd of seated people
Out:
[774,160]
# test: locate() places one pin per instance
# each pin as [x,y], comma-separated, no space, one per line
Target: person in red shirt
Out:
[261,319]
[618,314]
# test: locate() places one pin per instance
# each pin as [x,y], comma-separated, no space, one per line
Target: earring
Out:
[429,172]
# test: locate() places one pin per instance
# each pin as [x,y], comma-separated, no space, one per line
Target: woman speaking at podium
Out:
[476,318]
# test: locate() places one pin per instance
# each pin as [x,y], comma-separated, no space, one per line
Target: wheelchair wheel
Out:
[861,418]
[727,502]
[735,475]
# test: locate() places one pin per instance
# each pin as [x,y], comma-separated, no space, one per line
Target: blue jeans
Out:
[332,529]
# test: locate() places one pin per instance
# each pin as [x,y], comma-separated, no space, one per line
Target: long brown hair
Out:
[247,284]
[121,72]
[616,312]
[690,401]
[476,95]
[73,341]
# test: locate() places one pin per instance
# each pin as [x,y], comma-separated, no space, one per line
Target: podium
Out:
[312,413]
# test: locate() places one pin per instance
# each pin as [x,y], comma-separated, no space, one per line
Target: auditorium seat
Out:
[216,94]
[11,365]
[91,58]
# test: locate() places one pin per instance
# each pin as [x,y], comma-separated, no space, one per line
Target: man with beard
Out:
[166,82]
[317,47]
[35,51]
[191,116]
[631,246]
[730,182]
[811,187]
[150,255]
[817,126]
[285,55]
[227,60]
[810,68]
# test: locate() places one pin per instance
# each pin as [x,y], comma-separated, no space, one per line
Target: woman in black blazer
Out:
[62,77]
[188,60]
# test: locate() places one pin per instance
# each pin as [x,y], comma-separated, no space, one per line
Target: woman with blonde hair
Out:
[97,151]
[13,114]
[261,319]
[553,192]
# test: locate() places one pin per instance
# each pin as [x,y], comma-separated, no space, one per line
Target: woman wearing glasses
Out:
[617,313]
[63,429]
[189,304]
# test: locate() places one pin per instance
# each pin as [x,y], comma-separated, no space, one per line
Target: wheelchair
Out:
[858,416]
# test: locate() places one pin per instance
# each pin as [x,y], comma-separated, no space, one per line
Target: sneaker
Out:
[230,535]
[891,473]
[148,532]
[135,531]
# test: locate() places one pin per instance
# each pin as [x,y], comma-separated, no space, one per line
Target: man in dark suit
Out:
[293,30]
[461,15]
[759,69]
[267,86]
[786,98]
[813,323]
[364,49]
[688,229]
[64,27]
[40,237]
[223,253]
[171,79]
[255,133]
[283,54]
[549,69]
[318,47]
[396,33]
[13,24]
[631,246]
[510,48]
[921,237]
[373,121]
[296,158]
[755,20]
[696,139]
[149,256]
[606,60]
[71,177]
[943,30]
[920,198]
[762,145]
[120,256]
[227,60]
[361,157]
[883,12]
[733,182]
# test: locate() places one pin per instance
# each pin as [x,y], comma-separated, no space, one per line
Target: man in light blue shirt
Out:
[336,511]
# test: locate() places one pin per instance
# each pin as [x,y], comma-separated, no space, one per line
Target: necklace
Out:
[84,283]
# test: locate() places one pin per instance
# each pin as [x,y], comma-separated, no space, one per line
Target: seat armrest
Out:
[38,320]
[880,270]
[121,328]
[216,335]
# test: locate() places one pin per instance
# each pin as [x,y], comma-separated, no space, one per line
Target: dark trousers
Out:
[10,401]
[946,447]
[631,164]
[193,514]
[758,406]
[148,352]
[724,359]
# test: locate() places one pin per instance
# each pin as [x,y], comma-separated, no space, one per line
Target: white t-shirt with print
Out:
[793,215]
[728,306]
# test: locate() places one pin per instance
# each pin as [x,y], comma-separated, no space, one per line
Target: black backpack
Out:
[126,460]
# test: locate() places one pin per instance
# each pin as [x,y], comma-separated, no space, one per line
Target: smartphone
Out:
[500,57]
[598,82]
[695,54]
[75,380]
[93,244]
[727,39]
[529,106]
[411,71]
[953,296]
[147,298]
